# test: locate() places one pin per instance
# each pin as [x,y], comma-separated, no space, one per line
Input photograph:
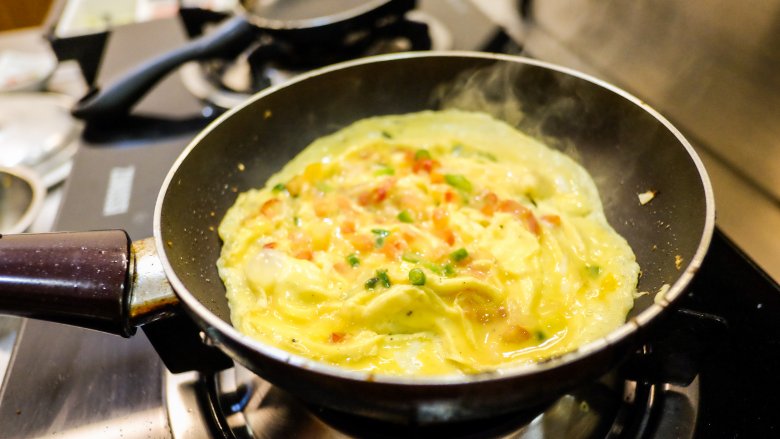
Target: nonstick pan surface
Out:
[626,146]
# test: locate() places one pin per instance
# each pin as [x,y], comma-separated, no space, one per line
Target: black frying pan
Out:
[295,26]
[625,145]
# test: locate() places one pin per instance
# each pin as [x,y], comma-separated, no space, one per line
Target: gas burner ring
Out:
[198,80]
[238,403]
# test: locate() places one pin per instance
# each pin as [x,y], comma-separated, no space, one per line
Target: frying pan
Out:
[626,146]
[308,26]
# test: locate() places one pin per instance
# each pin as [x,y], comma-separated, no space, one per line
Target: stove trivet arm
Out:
[676,350]
[119,97]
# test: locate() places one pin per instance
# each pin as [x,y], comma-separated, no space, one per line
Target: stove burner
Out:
[238,404]
[227,83]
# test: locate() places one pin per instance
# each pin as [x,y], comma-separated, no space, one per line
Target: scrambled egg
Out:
[426,244]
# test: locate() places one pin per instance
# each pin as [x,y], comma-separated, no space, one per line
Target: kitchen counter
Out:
[716,80]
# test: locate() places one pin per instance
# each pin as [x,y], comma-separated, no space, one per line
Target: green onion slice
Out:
[405,217]
[593,270]
[383,278]
[384,170]
[459,255]
[371,283]
[449,270]
[353,260]
[381,234]
[458,181]
[416,276]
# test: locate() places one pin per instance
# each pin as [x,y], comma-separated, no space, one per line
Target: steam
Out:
[625,149]
[564,112]
[526,97]
[489,90]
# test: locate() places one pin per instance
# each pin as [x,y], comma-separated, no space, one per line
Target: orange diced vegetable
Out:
[337,337]
[440,217]
[347,226]
[521,212]
[446,234]
[554,220]
[271,208]
[394,246]
[450,196]
[322,208]
[304,254]
[341,267]
[426,165]
[378,194]
[362,242]
[489,203]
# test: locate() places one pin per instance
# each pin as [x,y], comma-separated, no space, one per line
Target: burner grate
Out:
[227,83]
[238,404]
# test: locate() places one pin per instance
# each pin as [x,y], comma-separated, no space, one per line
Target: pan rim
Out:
[310,23]
[613,338]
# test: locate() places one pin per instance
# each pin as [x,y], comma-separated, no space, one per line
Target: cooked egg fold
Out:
[433,243]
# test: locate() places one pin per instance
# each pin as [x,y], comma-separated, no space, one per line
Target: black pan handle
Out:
[78,278]
[103,281]
[117,98]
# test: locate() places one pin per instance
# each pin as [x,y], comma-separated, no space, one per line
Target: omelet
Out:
[431,243]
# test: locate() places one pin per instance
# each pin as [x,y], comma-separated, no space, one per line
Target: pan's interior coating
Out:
[627,149]
[425,244]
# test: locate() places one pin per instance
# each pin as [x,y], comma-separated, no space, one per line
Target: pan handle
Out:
[97,280]
[231,37]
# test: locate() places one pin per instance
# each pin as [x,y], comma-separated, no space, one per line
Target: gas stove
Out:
[69,382]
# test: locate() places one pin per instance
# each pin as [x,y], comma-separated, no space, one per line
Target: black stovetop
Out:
[739,373]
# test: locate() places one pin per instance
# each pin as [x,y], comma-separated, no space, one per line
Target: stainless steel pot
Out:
[311,27]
